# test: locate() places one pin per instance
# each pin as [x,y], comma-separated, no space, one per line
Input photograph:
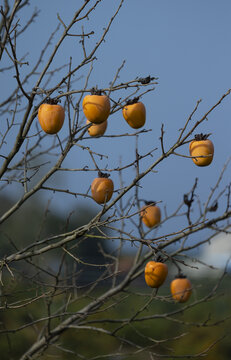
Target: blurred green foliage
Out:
[203,330]
[197,327]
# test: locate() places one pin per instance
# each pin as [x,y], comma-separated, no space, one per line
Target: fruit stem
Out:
[133,101]
[150,202]
[103,175]
[159,259]
[180,276]
[51,101]
[95,91]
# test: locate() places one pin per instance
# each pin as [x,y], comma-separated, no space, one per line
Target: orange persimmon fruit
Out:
[181,288]
[150,214]
[155,273]
[96,107]
[51,117]
[102,188]
[96,129]
[134,113]
[201,146]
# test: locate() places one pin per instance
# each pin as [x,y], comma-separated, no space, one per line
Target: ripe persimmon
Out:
[181,288]
[201,146]
[150,214]
[96,107]
[102,188]
[51,117]
[97,129]
[155,273]
[134,113]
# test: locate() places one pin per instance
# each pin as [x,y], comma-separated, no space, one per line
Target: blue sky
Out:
[184,43]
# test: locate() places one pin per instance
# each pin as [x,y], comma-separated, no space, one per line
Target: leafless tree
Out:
[68,305]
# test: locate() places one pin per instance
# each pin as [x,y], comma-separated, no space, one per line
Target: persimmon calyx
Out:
[103,175]
[133,101]
[201,136]
[51,101]
[95,91]
[153,203]
[180,275]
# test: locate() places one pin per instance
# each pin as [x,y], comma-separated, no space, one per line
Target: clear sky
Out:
[184,43]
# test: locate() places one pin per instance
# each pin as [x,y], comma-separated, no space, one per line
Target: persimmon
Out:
[51,117]
[150,214]
[134,113]
[96,107]
[102,188]
[181,288]
[97,129]
[201,146]
[155,273]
